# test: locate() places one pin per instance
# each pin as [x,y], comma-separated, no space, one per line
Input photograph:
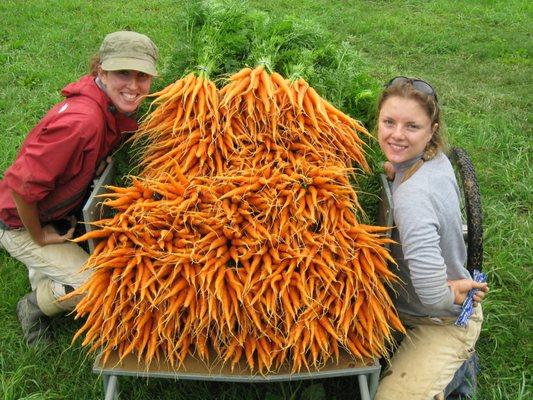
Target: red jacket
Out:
[58,159]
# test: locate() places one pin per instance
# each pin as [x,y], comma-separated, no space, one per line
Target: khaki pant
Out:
[428,357]
[50,267]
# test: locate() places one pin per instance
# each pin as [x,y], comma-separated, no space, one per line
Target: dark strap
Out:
[64,204]
[4,227]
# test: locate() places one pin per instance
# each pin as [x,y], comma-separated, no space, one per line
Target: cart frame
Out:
[194,369]
[367,374]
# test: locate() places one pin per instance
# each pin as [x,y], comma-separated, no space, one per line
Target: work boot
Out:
[35,324]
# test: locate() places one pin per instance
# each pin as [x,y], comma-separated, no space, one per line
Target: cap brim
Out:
[117,64]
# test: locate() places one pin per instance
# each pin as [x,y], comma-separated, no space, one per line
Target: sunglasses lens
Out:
[423,87]
[418,84]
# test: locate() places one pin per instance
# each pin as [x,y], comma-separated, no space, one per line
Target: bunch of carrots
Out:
[238,240]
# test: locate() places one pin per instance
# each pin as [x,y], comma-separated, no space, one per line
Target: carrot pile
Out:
[238,240]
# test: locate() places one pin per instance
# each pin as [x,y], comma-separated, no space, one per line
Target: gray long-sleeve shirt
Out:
[428,229]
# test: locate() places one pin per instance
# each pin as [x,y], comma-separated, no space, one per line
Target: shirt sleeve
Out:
[418,227]
[48,156]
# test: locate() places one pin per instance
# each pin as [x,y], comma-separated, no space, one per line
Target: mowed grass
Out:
[477,54]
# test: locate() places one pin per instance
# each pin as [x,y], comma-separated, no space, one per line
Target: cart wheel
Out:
[470,203]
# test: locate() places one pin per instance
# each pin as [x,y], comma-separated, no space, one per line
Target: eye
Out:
[413,126]
[388,122]
[123,72]
[143,77]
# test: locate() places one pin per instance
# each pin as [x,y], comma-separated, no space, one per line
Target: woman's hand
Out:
[49,235]
[461,287]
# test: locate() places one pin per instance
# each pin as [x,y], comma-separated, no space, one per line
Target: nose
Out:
[397,132]
[133,83]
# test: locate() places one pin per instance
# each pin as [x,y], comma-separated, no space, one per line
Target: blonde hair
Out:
[405,89]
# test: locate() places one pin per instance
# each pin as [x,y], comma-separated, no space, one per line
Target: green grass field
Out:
[477,54]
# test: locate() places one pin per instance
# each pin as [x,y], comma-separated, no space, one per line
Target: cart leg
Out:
[110,387]
[363,387]
[374,380]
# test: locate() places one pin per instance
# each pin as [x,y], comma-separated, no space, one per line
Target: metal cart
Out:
[367,374]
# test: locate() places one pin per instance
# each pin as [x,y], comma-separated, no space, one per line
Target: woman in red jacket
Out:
[57,162]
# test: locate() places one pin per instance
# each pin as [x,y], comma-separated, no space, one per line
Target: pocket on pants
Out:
[467,336]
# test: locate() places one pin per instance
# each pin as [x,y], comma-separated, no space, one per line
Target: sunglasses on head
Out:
[418,84]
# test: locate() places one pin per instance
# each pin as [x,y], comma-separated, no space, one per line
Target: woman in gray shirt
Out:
[430,251]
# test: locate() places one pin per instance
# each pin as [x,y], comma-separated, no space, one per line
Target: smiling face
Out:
[126,88]
[404,128]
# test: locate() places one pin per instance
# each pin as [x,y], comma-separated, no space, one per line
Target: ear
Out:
[101,74]
[434,128]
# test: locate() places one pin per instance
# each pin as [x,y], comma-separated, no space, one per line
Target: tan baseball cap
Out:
[128,50]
